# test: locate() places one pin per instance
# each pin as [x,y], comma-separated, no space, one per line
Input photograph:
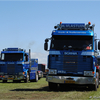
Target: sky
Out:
[27,23]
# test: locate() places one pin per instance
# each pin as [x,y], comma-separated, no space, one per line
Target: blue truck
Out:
[72,58]
[16,64]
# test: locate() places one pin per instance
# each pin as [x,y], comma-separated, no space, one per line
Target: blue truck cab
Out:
[72,58]
[16,64]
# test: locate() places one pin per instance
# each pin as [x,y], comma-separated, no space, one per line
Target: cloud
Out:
[42,57]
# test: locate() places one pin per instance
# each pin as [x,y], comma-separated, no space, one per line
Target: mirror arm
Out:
[47,39]
[98,43]
[97,39]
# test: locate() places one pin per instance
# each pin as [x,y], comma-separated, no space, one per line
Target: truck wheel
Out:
[4,81]
[27,78]
[52,86]
[36,78]
[97,79]
[94,86]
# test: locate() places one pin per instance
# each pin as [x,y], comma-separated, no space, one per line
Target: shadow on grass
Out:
[46,88]
[40,89]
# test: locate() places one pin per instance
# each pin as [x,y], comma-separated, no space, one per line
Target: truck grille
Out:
[10,68]
[70,63]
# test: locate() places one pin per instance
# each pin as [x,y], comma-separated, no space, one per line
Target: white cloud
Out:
[42,57]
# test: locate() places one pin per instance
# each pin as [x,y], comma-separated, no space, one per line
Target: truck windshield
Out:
[71,42]
[12,56]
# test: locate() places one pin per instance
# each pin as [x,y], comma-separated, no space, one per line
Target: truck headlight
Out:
[52,71]
[88,73]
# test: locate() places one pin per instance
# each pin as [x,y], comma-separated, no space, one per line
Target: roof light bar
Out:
[74,26]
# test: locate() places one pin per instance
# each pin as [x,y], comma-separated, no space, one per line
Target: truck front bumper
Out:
[70,80]
[12,77]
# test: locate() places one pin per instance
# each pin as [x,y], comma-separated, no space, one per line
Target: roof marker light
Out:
[60,23]
[89,23]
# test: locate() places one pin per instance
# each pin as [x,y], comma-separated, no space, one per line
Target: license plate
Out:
[10,78]
[69,81]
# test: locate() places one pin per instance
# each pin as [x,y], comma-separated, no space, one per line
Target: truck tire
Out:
[36,78]
[93,87]
[4,81]
[27,78]
[97,75]
[52,86]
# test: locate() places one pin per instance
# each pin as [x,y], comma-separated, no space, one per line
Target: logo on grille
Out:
[70,53]
[70,62]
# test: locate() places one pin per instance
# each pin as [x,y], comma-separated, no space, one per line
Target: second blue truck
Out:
[16,64]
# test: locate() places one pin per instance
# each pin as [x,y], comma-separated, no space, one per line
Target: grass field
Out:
[40,91]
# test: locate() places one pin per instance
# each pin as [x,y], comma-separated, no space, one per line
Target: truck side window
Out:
[26,57]
[2,56]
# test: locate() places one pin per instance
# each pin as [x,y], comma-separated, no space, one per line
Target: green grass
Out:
[40,91]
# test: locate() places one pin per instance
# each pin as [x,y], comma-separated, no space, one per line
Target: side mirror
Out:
[99,45]
[27,58]
[46,46]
